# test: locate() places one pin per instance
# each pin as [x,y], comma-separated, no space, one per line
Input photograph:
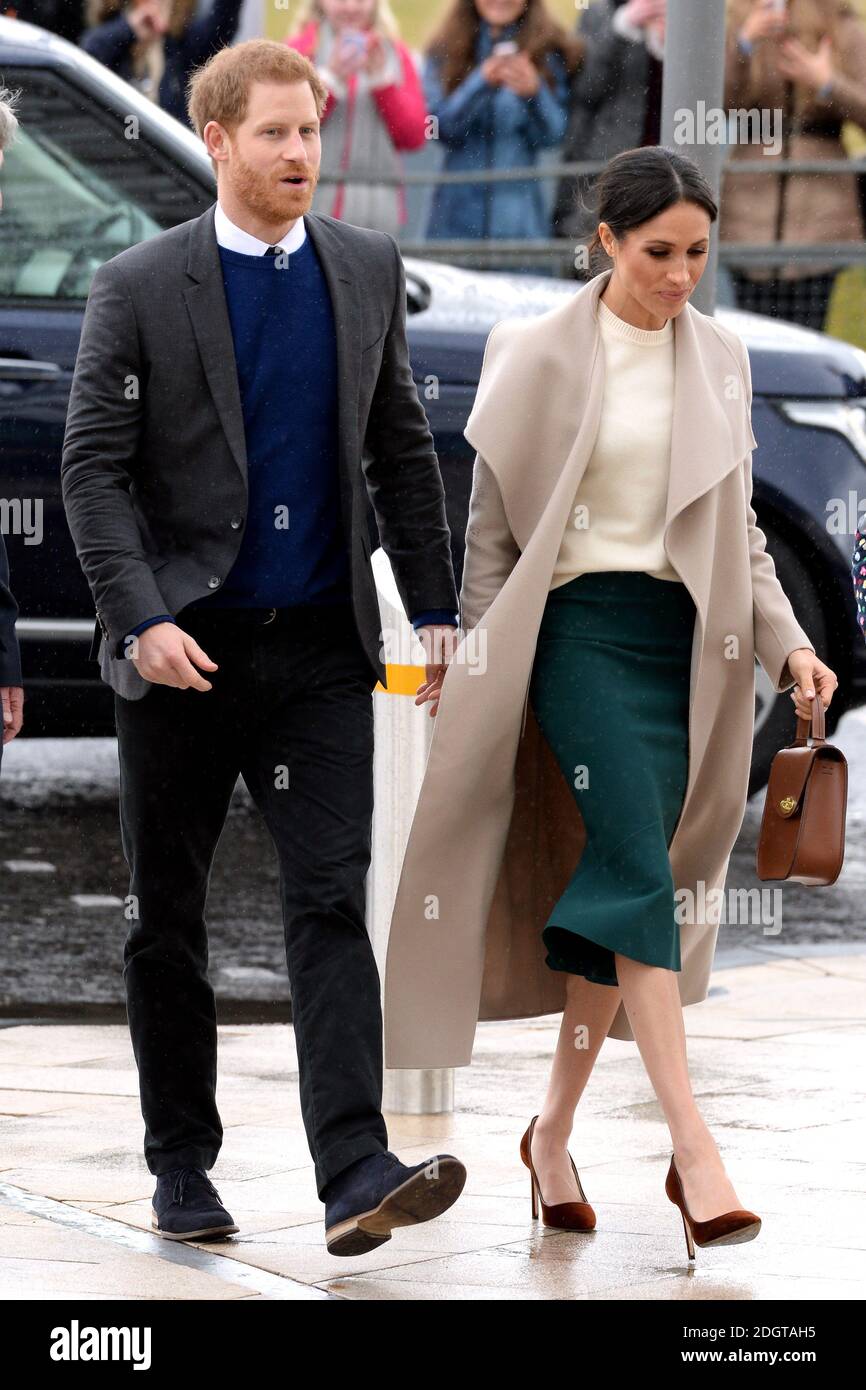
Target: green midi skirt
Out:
[610,692]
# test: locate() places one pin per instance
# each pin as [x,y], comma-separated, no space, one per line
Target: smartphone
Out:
[505,48]
[354,39]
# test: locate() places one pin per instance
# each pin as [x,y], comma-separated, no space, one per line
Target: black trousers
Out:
[291,711]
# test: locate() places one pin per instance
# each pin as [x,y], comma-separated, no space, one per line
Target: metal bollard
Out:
[403,731]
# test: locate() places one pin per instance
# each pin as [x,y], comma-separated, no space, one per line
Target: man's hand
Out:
[439,641]
[12,701]
[165,654]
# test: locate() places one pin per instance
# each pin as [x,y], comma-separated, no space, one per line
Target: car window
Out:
[77,190]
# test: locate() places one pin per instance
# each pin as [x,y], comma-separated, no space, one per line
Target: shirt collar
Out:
[234,238]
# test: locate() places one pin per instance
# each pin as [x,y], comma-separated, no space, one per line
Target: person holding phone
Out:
[155,44]
[496,77]
[616,101]
[807,60]
[375,107]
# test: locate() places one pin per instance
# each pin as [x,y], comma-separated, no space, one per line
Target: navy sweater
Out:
[294,549]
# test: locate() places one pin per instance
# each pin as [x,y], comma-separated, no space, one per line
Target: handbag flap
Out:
[789,773]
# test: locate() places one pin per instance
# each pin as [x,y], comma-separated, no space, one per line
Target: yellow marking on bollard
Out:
[402,680]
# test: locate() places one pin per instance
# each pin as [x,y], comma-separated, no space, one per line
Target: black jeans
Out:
[291,710]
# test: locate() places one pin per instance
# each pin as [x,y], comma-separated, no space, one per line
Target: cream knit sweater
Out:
[618,514]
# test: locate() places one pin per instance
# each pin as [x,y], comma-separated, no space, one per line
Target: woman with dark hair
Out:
[617,587]
[496,78]
[155,44]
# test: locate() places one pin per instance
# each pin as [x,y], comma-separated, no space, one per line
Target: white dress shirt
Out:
[234,238]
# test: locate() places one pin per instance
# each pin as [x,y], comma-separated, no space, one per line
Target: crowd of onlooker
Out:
[502,84]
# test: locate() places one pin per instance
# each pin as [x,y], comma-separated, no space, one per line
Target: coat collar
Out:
[538,407]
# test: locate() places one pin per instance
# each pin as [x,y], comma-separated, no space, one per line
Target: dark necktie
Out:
[273,250]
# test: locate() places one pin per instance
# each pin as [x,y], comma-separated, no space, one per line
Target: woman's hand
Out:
[347,55]
[764,22]
[374,59]
[813,678]
[640,13]
[492,69]
[439,641]
[148,20]
[520,75]
[811,69]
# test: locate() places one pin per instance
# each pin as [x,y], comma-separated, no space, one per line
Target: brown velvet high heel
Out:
[565,1216]
[729,1228]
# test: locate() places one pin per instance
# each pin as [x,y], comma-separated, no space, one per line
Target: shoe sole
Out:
[735,1237]
[214,1232]
[419,1198]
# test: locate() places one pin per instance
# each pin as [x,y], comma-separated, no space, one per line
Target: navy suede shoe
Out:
[187,1206]
[376,1193]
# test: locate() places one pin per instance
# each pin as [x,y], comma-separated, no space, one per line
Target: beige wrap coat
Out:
[496,832]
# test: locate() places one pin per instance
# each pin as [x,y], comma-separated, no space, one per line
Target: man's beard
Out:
[268,199]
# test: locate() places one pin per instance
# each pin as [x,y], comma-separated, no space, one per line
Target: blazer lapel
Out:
[346,305]
[208,311]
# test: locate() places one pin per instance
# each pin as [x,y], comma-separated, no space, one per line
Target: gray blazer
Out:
[154,468]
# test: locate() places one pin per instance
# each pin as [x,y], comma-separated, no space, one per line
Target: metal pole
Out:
[693,84]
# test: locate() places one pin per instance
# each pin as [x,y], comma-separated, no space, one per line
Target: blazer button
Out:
[236,523]
[214,582]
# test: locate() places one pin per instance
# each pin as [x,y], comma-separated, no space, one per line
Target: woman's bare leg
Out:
[589,1010]
[652,1003]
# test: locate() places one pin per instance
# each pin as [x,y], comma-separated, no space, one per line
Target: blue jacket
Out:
[111,44]
[486,127]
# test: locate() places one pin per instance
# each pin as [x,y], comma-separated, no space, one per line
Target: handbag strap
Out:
[815,727]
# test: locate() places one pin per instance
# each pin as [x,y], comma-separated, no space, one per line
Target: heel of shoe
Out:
[690,1244]
[534,1191]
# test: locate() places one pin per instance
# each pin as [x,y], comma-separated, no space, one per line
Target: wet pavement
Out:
[777,1057]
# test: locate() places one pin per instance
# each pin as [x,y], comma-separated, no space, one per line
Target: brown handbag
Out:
[802,835]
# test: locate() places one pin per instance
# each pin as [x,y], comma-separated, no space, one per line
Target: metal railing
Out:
[558,253]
